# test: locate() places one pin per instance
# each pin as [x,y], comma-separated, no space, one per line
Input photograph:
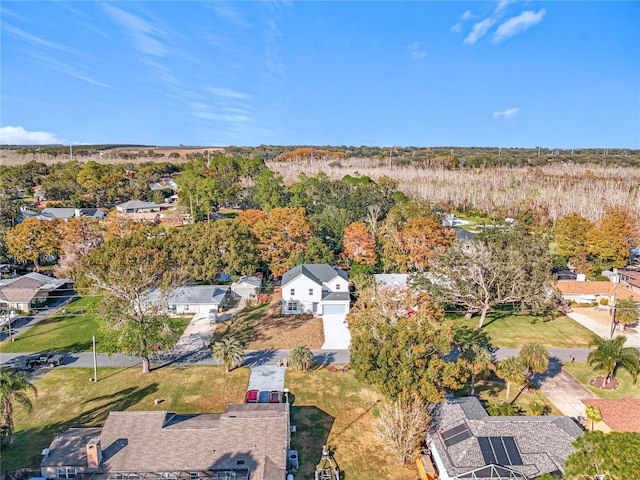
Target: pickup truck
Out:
[47,359]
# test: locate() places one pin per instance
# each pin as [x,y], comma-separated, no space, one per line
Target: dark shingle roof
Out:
[318,272]
[68,449]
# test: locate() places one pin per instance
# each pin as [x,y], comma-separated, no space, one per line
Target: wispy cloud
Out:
[457,28]
[518,24]
[20,136]
[227,92]
[416,51]
[479,30]
[503,3]
[272,51]
[35,40]
[145,37]
[508,113]
[229,13]
[67,68]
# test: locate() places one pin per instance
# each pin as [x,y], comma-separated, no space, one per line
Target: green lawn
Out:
[509,330]
[582,372]
[67,399]
[70,332]
[333,408]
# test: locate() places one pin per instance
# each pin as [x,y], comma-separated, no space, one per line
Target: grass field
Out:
[69,333]
[512,331]
[67,399]
[263,328]
[582,372]
[333,408]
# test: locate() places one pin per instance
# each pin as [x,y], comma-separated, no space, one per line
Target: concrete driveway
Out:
[336,332]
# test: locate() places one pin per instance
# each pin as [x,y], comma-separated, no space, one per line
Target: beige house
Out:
[618,414]
[27,291]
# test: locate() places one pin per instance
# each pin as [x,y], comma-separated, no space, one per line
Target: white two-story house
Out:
[315,288]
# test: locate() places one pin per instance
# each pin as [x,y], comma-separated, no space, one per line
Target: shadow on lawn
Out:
[28,444]
[313,426]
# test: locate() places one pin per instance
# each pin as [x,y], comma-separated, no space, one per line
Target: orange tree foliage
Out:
[250,217]
[309,153]
[614,235]
[571,235]
[33,240]
[117,225]
[359,244]
[78,237]
[283,233]
[409,246]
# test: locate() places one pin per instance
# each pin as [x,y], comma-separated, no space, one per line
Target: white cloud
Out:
[20,136]
[34,40]
[229,13]
[508,113]
[68,69]
[503,3]
[227,92]
[416,51]
[518,24]
[146,38]
[457,28]
[479,30]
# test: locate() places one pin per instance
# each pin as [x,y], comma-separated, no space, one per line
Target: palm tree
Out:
[511,370]
[593,414]
[229,351]
[14,388]
[301,358]
[535,359]
[610,355]
[479,361]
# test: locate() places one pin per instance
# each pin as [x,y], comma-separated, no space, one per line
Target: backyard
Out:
[510,330]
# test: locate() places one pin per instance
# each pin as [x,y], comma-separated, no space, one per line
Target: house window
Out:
[337,286]
[168,475]
[116,476]
[68,472]
[193,475]
[311,291]
[293,291]
[292,306]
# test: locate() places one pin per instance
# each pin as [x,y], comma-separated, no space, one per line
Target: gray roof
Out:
[255,434]
[336,296]
[55,212]
[248,281]
[24,288]
[543,442]
[137,204]
[391,280]
[318,272]
[198,295]
[68,449]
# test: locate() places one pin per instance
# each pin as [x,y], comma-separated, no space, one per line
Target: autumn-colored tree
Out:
[79,235]
[626,312]
[571,235]
[614,235]
[250,217]
[411,245]
[282,234]
[359,244]
[32,241]
[117,225]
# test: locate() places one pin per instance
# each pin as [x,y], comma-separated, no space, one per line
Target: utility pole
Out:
[70,152]
[613,304]
[95,360]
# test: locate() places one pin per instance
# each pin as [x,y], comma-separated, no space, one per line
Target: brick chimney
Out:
[94,453]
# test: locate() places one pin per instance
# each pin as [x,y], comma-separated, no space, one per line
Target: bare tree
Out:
[403,425]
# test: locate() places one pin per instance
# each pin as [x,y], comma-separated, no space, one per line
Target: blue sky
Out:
[502,73]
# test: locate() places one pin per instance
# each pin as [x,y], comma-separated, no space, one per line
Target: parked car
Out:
[47,359]
[252,396]
[275,396]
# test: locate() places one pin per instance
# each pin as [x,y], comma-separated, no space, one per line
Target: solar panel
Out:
[456,434]
[499,451]
[487,451]
[512,450]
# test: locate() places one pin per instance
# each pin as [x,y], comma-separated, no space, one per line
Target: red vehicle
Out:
[252,396]
[275,396]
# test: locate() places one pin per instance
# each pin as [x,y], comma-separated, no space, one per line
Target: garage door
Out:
[334,309]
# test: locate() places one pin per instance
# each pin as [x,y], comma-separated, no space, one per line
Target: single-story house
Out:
[247,441]
[27,291]
[248,286]
[166,183]
[588,292]
[618,414]
[137,206]
[464,442]
[199,299]
[66,213]
[391,280]
[315,288]
[630,278]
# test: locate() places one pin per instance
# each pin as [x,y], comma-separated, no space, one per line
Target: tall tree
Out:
[79,236]
[33,241]
[501,266]
[229,352]
[611,456]
[269,190]
[571,236]
[611,355]
[594,415]
[134,282]
[535,359]
[626,312]
[404,422]
[281,235]
[615,234]
[14,388]
[399,344]
[511,370]
[359,244]
[479,361]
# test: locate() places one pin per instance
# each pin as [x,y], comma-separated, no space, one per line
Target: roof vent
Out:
[45,452]
[240,462]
